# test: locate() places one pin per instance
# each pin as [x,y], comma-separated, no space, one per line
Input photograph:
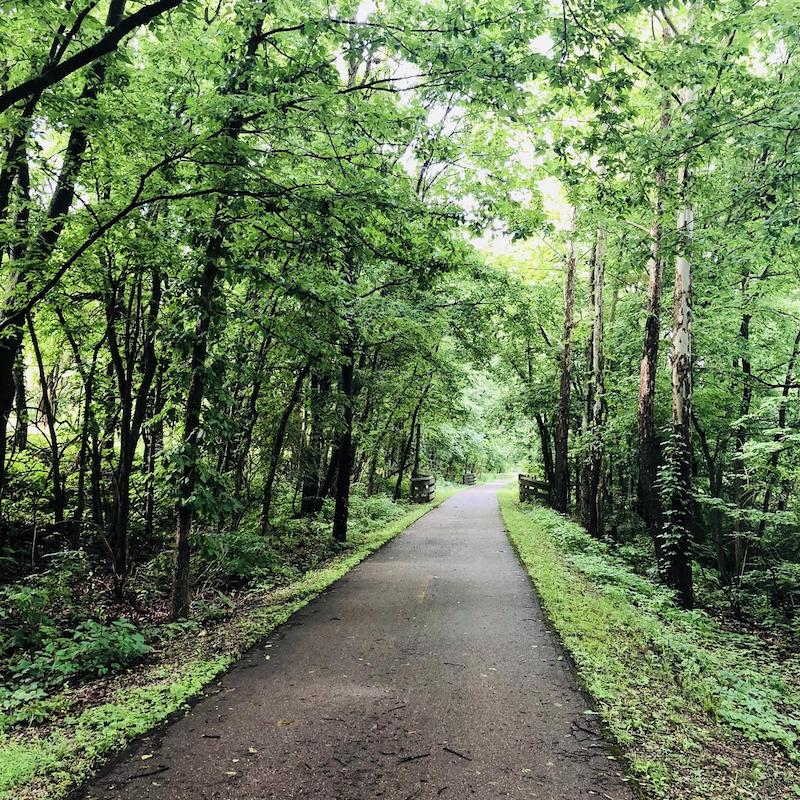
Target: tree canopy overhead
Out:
[264,261]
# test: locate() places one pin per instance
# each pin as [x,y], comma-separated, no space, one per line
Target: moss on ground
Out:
[699,712]
[49,761]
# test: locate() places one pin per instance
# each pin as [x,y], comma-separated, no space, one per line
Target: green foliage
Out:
[667,682]
[93,650]
[31,609]
[237,558]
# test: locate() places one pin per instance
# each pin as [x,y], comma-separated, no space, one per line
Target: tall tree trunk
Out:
[155,444]
[20,405]
[739,539]
[547,451]
[677,536]
[405,450]
[134,407]
[191,422]
[777,438]
[560,484]
[593,500]
[649,446]
[327,486]
[212,264]
[715,484]
[417,452]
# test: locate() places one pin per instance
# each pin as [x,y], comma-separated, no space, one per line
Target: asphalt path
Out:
[426,672]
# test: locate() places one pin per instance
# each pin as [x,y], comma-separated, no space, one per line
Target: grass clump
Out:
[700,712]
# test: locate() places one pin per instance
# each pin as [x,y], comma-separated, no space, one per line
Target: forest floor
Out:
[426,673]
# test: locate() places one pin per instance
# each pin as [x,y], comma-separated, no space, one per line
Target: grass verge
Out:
[700,712]
[47,762]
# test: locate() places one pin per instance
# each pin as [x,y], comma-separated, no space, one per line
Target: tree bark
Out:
[649,446]
[20,405]
[560,484]
[677,529]
[776,454]
[740,540]
[344,445]
[593,500]
[547,452]
[312,452]
[133,406]
[417,453]
[206,296]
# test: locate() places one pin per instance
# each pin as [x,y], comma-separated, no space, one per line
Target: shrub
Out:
[236,558]
[93,650]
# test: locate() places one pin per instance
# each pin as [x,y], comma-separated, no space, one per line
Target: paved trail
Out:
[427,672]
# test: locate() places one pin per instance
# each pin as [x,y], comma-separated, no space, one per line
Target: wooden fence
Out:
[470,478]
[531,490]
[423,489]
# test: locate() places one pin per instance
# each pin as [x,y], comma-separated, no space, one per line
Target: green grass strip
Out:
[50,766]
[700,712]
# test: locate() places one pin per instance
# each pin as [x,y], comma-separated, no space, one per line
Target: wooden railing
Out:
[470,478]
[531,490]
[423,489]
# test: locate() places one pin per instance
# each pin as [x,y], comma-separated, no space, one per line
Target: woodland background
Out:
[265,260]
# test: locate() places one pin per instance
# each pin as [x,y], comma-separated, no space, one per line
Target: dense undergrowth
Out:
[81,678]
[699,710]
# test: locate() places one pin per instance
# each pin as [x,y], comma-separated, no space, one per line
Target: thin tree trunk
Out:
[312,452]
[560,484]
[155,445]
[740,540]
[417,453]
[277,449]
[547,451]
[191,424]
[20,405]
[776,453]
[345,444]
[405,451]
[593,500]
[715,484]
[47,407]
[649,447]
[134,411]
